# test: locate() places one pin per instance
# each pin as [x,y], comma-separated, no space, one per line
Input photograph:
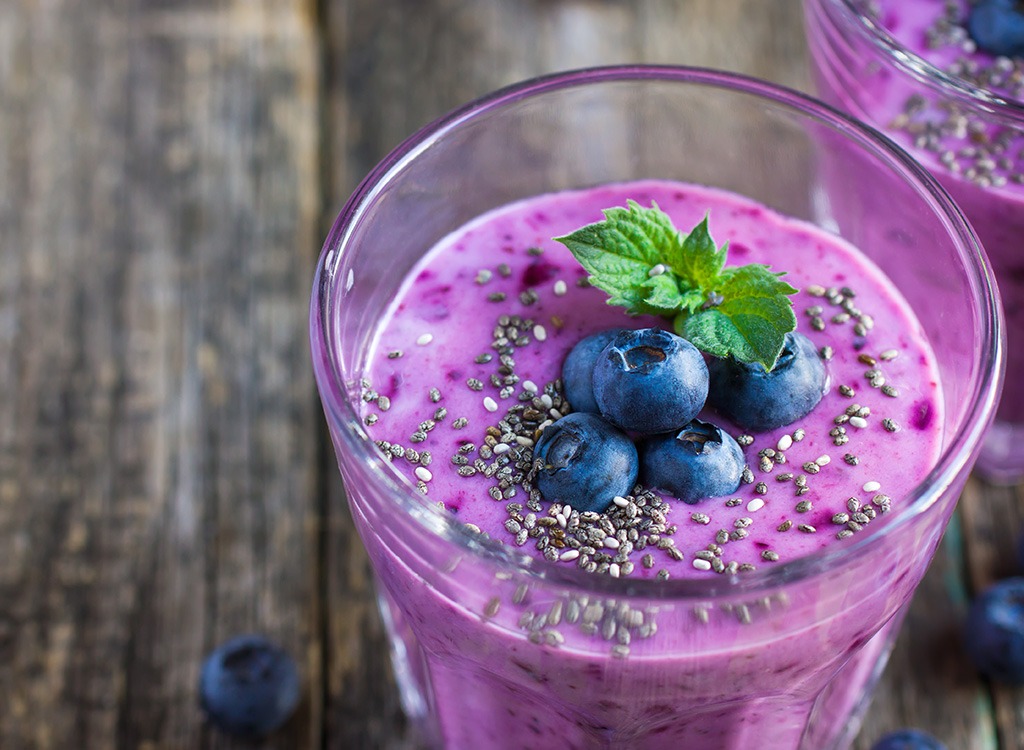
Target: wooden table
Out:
[169,171]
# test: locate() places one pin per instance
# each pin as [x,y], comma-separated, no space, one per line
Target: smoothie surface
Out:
[975,149]
[456,415]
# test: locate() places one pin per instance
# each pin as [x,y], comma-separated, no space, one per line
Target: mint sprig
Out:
[641,260]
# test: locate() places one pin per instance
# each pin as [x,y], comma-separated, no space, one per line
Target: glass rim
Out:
[924,71]
[424,512]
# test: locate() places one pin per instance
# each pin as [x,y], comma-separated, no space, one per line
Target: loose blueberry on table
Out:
[908,739]
[249,687]
[994,631]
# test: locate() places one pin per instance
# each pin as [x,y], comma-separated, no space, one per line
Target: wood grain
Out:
[157,488]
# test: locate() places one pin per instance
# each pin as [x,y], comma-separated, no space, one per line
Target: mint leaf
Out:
[692,300]
[620,252]
[697,259]
[663,293]
[750,323]
[643,263]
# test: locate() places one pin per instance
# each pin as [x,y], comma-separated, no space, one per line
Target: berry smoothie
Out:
[958,108]
[462,377]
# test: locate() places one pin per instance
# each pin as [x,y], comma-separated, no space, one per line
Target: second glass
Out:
[960,112]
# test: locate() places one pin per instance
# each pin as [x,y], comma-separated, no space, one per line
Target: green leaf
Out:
[697,259]
[620,252]
[663,293]
[750,323]
[639,258]
[692,300]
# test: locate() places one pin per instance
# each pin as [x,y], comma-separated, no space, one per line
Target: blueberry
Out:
[694,463]
[994,632]
[578,370]
[650,381]
[908,739]
[249,687]
[997,26]
[587,462]
[758,400]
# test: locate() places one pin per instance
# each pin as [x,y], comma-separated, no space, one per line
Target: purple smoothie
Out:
[567,669]
[974,146]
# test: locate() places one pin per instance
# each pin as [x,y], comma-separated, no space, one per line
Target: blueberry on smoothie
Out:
[908,739]
[586,462]
[650,381]
[994,631]
[249,687]
[758,400]
[997,26]
[578,370]
[697,462]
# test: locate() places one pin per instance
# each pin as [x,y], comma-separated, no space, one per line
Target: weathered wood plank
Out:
[158,472]
[993,524]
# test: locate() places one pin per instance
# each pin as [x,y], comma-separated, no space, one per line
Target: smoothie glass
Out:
[962,133]
[496,649]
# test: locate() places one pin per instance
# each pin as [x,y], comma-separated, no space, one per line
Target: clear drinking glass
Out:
[778,658]
[961,132]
